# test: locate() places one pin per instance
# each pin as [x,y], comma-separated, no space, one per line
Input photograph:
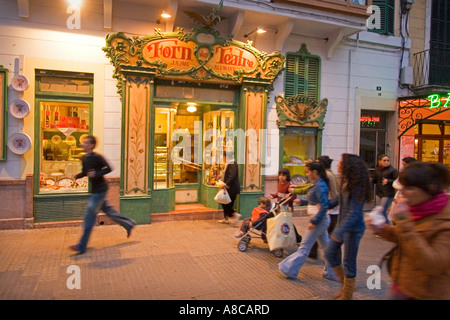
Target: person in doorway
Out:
[384,177]
[420,263]
[95,167]
[230,178]
[354,191]
[317,227]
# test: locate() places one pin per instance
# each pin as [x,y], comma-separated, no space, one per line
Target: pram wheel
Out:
[242,245]
[278,253]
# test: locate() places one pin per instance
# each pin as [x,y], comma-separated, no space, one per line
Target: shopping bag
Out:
[222,197]
[280,231]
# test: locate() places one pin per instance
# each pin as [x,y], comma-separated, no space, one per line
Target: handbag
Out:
[280,231]
[222,197]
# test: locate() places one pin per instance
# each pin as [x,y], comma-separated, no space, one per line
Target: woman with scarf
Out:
[420,263]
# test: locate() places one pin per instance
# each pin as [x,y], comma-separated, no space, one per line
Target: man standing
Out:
[95,167]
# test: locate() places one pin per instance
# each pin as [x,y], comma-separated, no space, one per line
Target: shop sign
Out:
[439,100]
[200,55]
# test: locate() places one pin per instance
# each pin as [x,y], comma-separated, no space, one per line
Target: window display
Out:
[299,149]
[64,126]
[218,134]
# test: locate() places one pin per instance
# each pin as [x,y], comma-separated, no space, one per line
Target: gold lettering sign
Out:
[226,60]
[177,54]
[201,55]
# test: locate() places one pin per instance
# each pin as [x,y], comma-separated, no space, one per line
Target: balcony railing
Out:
[355,7]
[432,68]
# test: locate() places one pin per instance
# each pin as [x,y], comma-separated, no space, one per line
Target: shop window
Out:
[299,148]
[219,133]
[64,122]
[162,168]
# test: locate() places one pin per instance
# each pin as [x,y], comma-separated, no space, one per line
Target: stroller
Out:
[259,229]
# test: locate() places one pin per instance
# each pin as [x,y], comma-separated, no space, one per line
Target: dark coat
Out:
[231,179]
[389,173]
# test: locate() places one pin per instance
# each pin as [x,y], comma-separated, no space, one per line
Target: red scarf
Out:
[433,206]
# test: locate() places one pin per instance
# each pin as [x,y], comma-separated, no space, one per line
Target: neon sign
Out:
[439,100]
[369,119]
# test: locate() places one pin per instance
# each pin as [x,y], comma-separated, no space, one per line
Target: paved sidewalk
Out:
[186,260]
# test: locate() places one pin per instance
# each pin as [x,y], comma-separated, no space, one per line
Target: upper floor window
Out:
[382,21]
[302,74]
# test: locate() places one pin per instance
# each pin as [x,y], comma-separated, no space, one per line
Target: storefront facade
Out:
[164,104]
[424,128]
[189,98]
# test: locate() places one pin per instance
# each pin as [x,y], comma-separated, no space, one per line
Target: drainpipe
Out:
[348,97]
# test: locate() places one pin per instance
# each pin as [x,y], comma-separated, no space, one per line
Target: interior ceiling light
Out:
[191,108]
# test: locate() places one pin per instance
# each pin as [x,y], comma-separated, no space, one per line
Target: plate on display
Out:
[19,143]
[56,139]
[19,109]
[19,82]
[70,140]
[82,137]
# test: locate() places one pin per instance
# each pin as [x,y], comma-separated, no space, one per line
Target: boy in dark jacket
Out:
[95,167]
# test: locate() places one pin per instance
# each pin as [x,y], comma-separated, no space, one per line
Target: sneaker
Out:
[223,221]
[236,218]
[239,234]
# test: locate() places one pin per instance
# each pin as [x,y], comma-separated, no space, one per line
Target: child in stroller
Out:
[259,213]
[266,210]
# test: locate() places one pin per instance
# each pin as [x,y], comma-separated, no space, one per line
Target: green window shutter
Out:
[302,75]
[387,8]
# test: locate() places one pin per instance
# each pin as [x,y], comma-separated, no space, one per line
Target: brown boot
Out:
[339,271]
[347,290]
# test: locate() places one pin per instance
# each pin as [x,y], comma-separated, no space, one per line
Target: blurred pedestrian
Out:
[334,212]
[420,263]
[385,175]
[95,167]
[317,227]
[354,191]
[398,186]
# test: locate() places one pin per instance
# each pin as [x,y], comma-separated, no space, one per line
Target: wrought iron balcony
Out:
[432,69]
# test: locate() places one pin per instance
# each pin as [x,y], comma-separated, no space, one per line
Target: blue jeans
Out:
[292,264]
[334,256]
[385,202]
[96,203]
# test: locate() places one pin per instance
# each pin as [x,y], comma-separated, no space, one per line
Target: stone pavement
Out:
[186,260]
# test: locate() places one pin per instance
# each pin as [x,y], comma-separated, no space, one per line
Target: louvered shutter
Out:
[387,8]
[302,76]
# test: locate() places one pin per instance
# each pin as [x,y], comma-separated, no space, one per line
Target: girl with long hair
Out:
[317,227]
[355,190]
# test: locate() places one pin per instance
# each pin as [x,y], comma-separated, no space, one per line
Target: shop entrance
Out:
[190,139]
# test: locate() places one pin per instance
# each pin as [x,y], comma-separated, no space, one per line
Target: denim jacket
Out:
[318,194]
[351,216]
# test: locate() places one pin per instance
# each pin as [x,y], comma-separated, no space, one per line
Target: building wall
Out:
[349,78]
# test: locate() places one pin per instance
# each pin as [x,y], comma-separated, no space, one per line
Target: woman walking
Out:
[355,190]
[420,264]
[317,227]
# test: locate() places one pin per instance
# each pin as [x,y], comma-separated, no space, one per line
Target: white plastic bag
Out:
[280,231]
[222,197]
